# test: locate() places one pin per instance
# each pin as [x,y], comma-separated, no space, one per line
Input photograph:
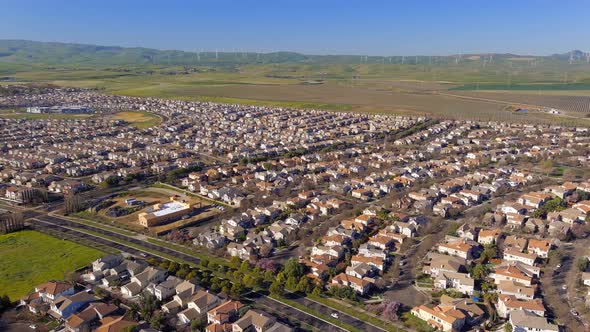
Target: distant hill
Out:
[50,53]
[22,51]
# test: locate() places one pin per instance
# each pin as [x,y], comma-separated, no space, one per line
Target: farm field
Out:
[444,91]
[140,120]
[572,104]
[30,258]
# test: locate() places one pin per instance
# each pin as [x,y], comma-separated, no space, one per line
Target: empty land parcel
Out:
[30,258]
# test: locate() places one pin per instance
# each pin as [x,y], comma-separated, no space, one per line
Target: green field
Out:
[140,120]
[34,116]
[29,258]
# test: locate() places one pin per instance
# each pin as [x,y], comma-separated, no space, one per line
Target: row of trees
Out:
[5,303]
[11,222]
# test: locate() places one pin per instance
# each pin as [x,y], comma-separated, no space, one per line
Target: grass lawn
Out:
[139,119]
[29,258]
[35,116]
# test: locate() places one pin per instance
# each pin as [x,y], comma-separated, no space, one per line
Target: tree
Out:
[111,181]
[173,267]
[479,271]
[489,252]
[293,268]
[236,289]
[133,311]
[5,303]
[277,288]
[303,286]
[198,325]
[205,262]
[291,283]
[148,303]
[547,166]
[244,267]
[98,291]
[507,327]
[73,203]
[182,273]
[157,320]
[582,264]
[317,291]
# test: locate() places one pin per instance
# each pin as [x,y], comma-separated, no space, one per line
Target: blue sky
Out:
[314,27]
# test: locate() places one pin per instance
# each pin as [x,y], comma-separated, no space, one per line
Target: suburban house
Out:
[525,321]
[508,303]
[460,282]
[445,318]
[361,286]
[65,306]
[197,306]
[142,280]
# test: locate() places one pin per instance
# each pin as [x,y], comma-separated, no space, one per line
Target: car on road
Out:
[564,287]
[335,315]
[558,266]
[574,312]
[142,254]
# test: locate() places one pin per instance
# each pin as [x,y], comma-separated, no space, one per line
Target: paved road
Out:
[69,228]
[343,317]
[288,311]
[556,297]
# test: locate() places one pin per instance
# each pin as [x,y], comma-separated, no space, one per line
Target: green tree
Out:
[291,283]
[293,268]
[547,166]
[304,285]
[490,251]
[583,264]
[182,273]
[204,262]
[316,291]
[133,311]
[5,303]
[235,262]
[244,267]
[173,267]
[507,327]
[157,321]
[148,303]
[191,275]
[198,325]
[479,271]
[277,288]
[237,289]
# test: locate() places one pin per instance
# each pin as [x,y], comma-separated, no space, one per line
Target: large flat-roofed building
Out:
[60,109]
[164,212]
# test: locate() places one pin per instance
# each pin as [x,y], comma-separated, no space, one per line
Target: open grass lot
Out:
[29,258]
[17,114]
[138,119]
